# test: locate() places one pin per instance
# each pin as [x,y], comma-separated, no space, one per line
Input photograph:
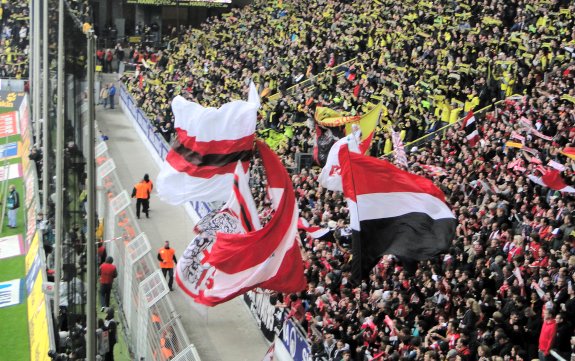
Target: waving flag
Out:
[392,212]
[208,145]
[560,167]
[269,257]
[241,203]
[470,125]
[551,178]
[433,170]
[398,149]
[315,232]
[330,176]
[226,262]
[327,117]
[194,275]
[569,152]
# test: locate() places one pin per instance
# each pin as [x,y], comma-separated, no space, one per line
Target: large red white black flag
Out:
[392,212]
[209,142]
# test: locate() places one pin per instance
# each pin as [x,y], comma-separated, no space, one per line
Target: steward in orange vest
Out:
[150,186]
[142,193]
[167,258]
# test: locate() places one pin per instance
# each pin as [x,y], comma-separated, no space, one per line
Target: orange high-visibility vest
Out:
[167,256]
[142,190]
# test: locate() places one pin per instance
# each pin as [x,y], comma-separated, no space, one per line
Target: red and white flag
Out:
[551,178]
[560,167]
[401,213]
[330,176]
[194,275]
[267,258]
[519,137]
[399,150]
[208,145]
[433,170]
[315,232]
[471,132]
[241,203]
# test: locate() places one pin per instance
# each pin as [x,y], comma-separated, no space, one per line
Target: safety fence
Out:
[153,327]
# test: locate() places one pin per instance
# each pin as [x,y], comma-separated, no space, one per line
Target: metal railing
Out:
[153,327]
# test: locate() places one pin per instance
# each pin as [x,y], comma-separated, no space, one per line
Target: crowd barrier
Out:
[153,327]
[306,83]
[15,85]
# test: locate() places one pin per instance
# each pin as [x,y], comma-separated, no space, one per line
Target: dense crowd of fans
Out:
[508,275]
[505,289]
[14,37]
[429,63]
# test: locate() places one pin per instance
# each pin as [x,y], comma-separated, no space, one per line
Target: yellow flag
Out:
[367,122]
[322,113]
[514,144]
[330,118]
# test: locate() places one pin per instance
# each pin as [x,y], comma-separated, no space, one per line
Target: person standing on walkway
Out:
[150,186]
[112,327]
[111,94]
[142,193]
[167,258]
[104,94]
[13,203]
[107,274]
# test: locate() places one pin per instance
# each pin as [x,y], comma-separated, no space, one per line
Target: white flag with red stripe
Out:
[268,258]
[551,178]
[560,167]
[194,275]
[330,176]
[209,142]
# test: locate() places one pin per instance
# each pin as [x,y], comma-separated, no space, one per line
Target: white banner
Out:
[9,293]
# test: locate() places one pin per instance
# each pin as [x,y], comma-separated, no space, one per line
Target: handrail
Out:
[310,79]
[426,137]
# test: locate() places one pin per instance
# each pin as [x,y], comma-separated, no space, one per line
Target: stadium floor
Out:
[228,332]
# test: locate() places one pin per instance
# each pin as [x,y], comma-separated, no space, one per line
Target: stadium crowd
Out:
[505,289]
[14,35]
[430,64]
[508,277]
